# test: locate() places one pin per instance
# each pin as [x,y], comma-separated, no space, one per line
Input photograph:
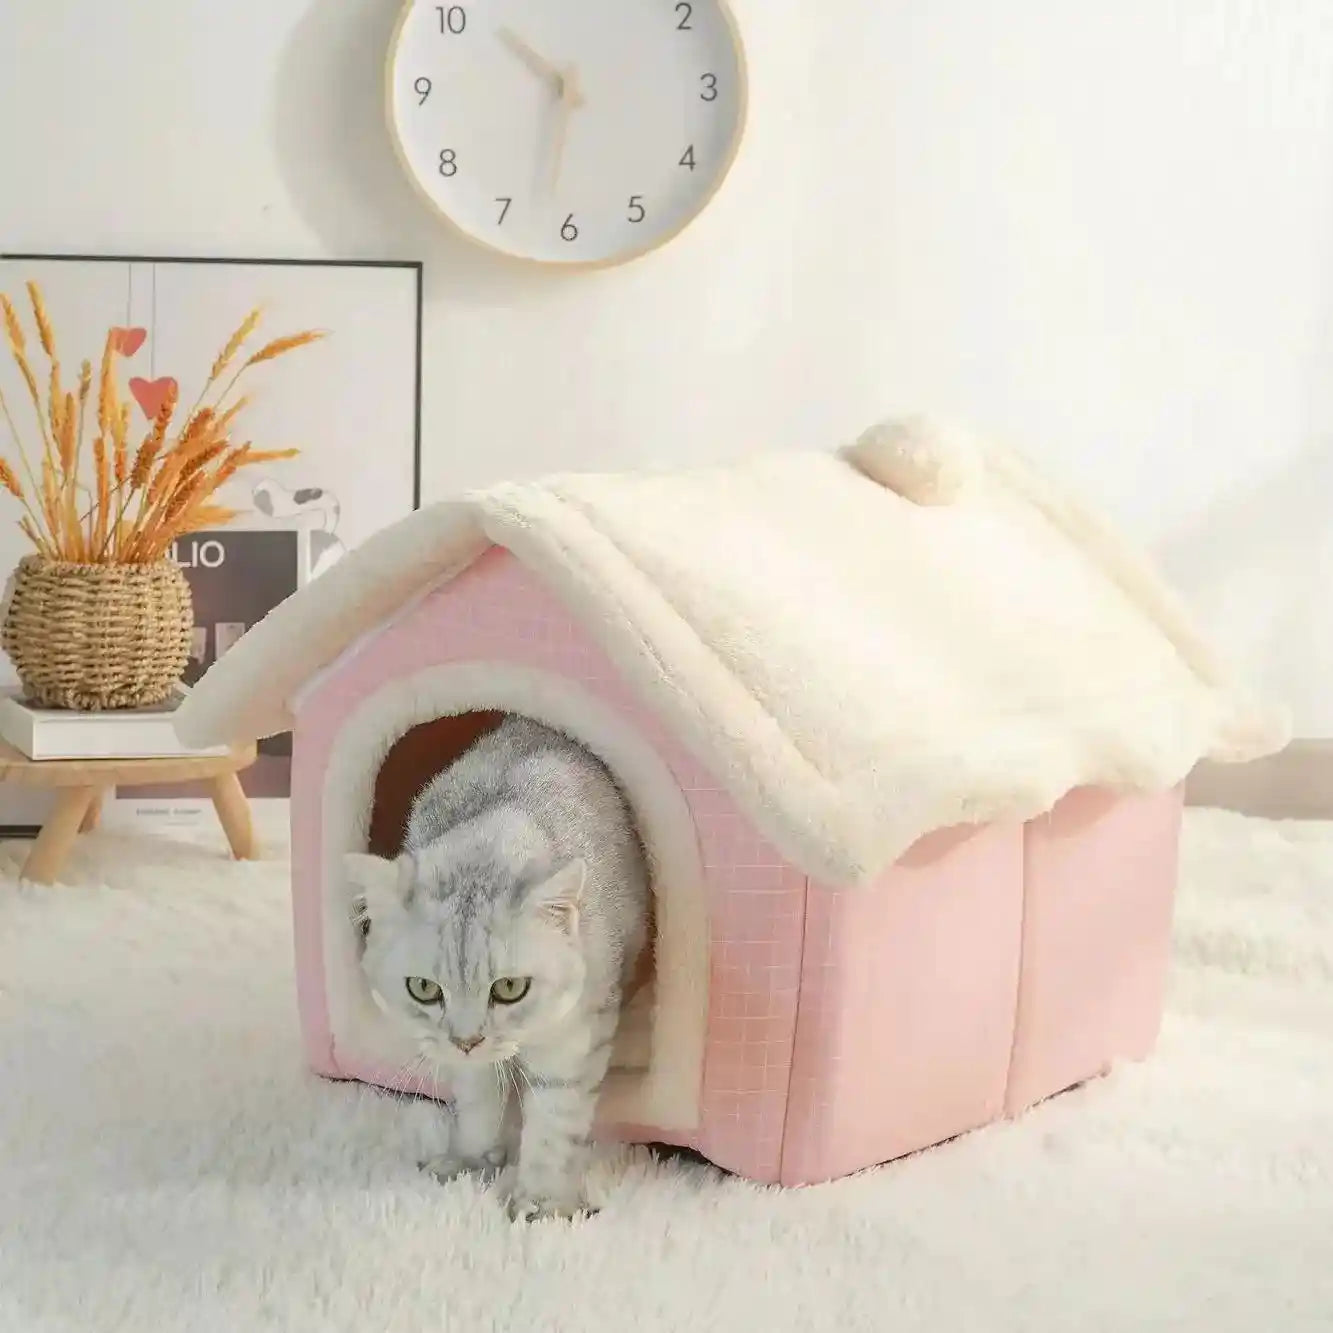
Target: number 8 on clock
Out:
[568,132]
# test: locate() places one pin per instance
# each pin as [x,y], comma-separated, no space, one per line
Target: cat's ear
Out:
[378,886]
[557,900]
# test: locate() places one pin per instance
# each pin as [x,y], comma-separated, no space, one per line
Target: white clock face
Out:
[568,131]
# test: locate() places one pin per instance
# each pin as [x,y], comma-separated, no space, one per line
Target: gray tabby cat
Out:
[504,934]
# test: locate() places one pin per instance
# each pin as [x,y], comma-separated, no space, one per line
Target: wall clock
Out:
[567,132]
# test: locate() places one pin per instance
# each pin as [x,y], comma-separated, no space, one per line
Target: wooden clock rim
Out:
[575,265]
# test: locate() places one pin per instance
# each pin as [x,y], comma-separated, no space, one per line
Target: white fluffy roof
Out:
[916,634]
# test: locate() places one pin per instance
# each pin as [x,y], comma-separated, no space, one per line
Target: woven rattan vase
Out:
[97,636]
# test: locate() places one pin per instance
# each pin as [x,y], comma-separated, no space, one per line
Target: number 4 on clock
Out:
[687,158]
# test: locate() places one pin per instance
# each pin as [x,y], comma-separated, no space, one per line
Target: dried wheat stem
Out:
[207,516]
[55,399]
[85,387]
[107,405]
[22,452]
[225,419]
[156,497]
[161,495]
[69,524]
[270,352]
[228,353]
[31,523]
[102,506]
[8,480]
[67,449]
[142,471]
[201,460]
[232,346]
[43,320]
[121,432]
[18,344]
[38,539]
[158,533]
[191,486]
[143,461]
[152,445]
[181,500]
[50,500]
[165,478]
[13,429]
[18,350]
[67,439]
[271,455]
[200,514]
[238,458]
[121,473]
[197,432]
[281,346]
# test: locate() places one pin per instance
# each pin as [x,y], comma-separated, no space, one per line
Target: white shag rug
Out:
[167,1164]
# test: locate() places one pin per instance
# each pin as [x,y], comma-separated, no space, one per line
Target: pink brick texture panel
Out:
[499,611]
[988,969]
[1100,873]
[907,1005]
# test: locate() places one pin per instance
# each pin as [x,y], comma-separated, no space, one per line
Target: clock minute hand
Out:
[571,98]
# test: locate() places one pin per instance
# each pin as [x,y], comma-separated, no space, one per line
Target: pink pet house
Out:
[904,730]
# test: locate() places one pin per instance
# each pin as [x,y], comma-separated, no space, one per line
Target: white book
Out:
[123,733]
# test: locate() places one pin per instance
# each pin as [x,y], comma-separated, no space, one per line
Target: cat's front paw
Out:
[443,1167]
[533,1208]
[449,1166]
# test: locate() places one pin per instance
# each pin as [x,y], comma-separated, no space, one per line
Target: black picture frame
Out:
[416,266]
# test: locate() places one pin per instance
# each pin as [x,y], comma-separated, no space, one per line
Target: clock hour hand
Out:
[534,60]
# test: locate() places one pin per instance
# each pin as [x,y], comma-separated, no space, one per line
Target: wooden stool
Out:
[83,782]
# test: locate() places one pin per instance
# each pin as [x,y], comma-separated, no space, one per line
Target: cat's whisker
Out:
[428,1076]
[406,1073]
[521,1073]
[367,1091]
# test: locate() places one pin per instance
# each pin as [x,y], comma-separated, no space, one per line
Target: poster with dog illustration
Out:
[350,404]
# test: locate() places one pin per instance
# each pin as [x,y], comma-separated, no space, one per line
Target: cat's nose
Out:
[466,1044]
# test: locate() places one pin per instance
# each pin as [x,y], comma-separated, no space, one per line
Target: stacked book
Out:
[128,733]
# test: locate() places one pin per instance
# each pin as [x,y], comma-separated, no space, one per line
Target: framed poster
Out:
[350,403]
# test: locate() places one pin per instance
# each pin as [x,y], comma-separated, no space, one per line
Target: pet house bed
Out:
[904,730]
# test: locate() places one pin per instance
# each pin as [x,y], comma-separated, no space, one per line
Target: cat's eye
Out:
[510,990]
[424,991]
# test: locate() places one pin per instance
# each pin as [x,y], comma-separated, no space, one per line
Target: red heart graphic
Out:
[128,341]
[151,394]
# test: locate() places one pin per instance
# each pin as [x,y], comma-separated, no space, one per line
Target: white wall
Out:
[1104,231]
